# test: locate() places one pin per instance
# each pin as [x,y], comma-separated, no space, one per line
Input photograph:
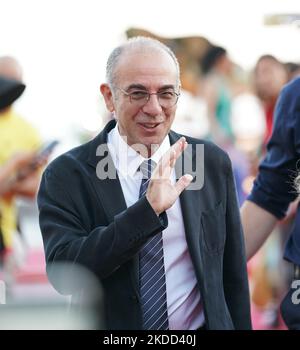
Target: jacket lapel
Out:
[191,206]
[109,192]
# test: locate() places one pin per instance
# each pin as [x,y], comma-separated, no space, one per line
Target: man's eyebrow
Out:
[142,87]
[136,86]
[167,87]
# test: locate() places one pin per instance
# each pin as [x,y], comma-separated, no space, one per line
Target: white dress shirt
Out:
[183,297]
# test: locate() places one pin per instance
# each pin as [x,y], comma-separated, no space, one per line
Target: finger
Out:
[183,183]
[174,155]
[168,160]
[164,166]
[179,146]
[173,159]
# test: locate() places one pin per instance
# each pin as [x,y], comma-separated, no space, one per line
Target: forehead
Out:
[267,63]
[152,68]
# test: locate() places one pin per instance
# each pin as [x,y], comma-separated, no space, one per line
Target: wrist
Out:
[153,206]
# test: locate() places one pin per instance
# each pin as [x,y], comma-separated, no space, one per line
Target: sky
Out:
[63,45]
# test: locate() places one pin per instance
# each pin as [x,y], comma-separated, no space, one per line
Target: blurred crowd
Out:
[229,106]
[19,173]
[239,108]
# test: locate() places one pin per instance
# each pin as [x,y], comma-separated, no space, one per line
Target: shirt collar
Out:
[126,159]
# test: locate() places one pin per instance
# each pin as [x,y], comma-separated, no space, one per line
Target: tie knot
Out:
[147,167]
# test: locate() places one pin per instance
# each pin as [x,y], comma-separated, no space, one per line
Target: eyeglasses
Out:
[139,98]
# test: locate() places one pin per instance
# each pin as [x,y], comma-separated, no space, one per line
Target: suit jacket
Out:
[85,220]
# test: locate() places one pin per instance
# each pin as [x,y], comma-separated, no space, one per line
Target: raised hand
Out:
[161,193]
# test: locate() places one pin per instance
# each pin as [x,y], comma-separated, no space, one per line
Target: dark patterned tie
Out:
[152,271]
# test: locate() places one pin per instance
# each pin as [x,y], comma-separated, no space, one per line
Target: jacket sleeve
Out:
[235,276]
[105,248]
[273,189]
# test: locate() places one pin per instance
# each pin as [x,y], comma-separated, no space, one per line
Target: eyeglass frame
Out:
[148,98]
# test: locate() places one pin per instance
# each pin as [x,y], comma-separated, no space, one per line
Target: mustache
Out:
[145,118]
[148,120]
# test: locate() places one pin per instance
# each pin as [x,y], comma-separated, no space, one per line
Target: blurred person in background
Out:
[11,168]
[219,88]
[274,190]
[293,70]
[269,77]
[16,136]
[193,274]
[216,90]
[8,172]
[10,68]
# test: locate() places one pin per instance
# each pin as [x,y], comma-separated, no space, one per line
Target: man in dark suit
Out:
[167,258]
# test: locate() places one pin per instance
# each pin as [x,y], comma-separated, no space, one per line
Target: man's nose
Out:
[153,106]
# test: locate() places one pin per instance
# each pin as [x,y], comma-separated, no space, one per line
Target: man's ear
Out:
[108,97]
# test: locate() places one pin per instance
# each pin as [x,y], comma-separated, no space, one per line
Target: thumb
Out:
[183,182]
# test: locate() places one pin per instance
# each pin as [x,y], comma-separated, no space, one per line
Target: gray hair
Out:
[138,42]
